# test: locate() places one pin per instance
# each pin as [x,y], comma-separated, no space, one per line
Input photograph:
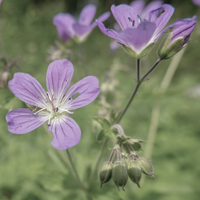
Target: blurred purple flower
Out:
[68,27]
[137,35]
[53,106]
[142,11]
[196,2]
[177,38]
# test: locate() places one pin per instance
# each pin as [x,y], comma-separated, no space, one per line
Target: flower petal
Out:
[160,17]
[87,14]
[138,6]
[63,23]
[66,132]
[125,15]
[59,75]
[28,89]
[88,90]
[81,31]
[138,38]
[102,18]
[153,5]
[22,120]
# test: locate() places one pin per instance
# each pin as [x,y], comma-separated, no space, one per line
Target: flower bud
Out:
[146,166]
[177,38]
[4,78]
[134,171]
[106,173]
[119,173]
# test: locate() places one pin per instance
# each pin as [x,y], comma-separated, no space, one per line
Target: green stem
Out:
[139,81]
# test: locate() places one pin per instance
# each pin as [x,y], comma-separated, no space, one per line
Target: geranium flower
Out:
[142,11]
[177,38]
[53,106]
[138,36]
[68,27]
[196,2]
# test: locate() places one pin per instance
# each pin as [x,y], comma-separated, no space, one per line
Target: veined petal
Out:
[28,89]
[153,5]
[138,6]
[63,23]
[138,38]
[66,132]
[59,75]
[87,14]
[160,17]
[109,32]
[81,31]
[22,120]
[125,15]
[88,90]
[102,18]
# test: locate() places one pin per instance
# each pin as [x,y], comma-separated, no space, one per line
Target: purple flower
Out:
[142,11]
[53,106]
[177,38]
[68,27]
[196,2]
[137,35]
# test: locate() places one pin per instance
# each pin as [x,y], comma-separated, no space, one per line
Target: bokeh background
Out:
[29,166]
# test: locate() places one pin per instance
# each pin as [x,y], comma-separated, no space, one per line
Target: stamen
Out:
[132,21]
[70,112]
[35,113]
[139,18]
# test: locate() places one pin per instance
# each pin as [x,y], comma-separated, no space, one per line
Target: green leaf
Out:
[104,122]
[113,117]
[101,135]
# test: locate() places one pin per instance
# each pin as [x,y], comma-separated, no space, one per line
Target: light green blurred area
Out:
[29,166]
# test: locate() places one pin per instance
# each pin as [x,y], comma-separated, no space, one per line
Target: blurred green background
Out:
[29,166]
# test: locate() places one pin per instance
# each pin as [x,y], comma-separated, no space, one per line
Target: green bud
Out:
[168,49]
[146,166]
[119,173]
[106,173]
[134,171]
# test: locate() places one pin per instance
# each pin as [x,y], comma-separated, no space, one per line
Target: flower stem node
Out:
[134,171]
[146,166]
[106,173]
[120,174]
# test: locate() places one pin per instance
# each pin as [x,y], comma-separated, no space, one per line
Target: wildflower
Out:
[177,38]
[68,27]
[141,10]
[53,106]
[138,36]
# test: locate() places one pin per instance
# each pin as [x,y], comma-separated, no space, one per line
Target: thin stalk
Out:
[75,171]
[120,116]
[156,109]
[139,81]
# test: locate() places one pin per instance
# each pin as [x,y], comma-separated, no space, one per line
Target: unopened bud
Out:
[106,173]
[146,166]
[119,173]
[134,171]
[4,78]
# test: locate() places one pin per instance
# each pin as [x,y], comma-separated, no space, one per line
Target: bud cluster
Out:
[127,164]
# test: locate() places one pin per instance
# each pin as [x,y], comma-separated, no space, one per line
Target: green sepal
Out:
[143,53]
[167,50]
[106,133]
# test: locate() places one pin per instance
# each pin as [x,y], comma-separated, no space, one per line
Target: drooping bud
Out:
[106,173]
[146,166]
[134,171]
[177,38]
[119,174]
[4,78]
